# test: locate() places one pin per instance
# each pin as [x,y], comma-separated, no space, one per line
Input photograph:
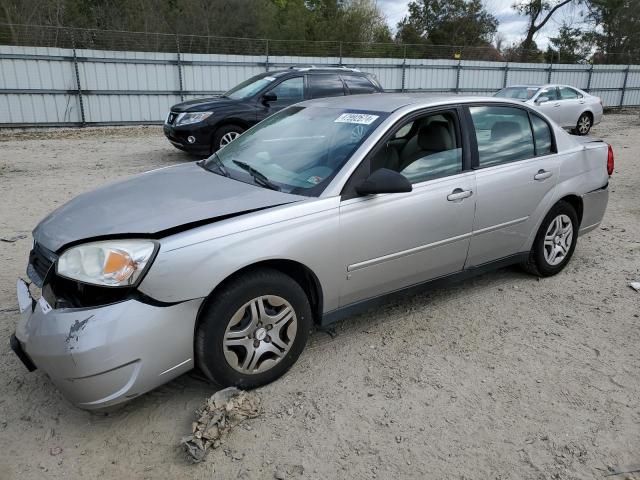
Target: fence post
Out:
[458,68]
[340,51]
[506,75]
[589,79]
[266,62]
[550,71]
[404,68]
[78,87]
[624,85]
[179,68]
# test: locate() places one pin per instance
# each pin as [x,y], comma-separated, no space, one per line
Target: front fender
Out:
[193,263]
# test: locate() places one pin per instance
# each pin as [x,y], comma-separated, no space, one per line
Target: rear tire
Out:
[254,330]
[555,241]
[585,122]
[225,135]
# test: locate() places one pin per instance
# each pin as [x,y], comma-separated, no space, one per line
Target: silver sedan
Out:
[568,106]
[322,210]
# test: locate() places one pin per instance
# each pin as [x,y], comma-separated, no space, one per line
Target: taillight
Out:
[610,161]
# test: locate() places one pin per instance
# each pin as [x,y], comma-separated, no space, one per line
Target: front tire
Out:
[225,135]
[585,122]
[555,241]
[254,330]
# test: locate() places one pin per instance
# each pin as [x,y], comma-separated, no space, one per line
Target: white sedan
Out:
[568,106]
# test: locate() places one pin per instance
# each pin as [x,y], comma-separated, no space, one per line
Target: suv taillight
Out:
[610,161]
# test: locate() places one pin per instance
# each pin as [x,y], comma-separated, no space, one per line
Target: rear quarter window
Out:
[358,85]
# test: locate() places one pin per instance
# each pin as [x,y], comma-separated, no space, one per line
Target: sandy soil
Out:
[502,376]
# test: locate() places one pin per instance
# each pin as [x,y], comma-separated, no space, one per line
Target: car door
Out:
[551,107]
[287,93]
[571,105]
[391,241]
[516,172]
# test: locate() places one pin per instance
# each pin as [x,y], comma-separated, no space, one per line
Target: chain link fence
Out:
[79,38]
[93,77]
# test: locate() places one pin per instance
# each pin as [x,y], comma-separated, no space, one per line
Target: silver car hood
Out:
[152,203]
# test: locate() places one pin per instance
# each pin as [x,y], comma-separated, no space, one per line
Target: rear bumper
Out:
[103,356]
[594,205]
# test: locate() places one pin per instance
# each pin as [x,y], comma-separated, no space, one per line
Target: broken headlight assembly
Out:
[111,263]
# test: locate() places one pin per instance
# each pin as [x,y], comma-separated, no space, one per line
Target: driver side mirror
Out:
[384,181]
[542,100]
[269,97]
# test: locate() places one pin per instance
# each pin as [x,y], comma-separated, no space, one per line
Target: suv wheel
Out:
[225,135]
[555,241]
[254,330]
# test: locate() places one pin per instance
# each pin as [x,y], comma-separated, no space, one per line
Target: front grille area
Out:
[40,262]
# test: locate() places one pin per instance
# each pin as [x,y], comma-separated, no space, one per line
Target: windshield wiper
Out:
[258,177]
[219,164]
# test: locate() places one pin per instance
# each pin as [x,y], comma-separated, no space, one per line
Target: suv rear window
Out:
[325,85]
[358,84]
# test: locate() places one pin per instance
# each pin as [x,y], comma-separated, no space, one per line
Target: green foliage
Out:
[617,35]
[303,20]
[447,22]
[570,46]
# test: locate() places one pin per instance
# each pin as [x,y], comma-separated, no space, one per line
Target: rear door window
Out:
[358,85]
[567,93]
[503,135]
[325,85]
[541,135]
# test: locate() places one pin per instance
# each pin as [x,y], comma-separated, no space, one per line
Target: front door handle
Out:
[556,104]
[459,194]
[542,175]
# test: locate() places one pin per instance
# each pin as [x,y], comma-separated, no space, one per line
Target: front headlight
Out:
[195,117]
[112,263]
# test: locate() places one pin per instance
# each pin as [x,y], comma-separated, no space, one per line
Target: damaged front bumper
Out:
[102,356]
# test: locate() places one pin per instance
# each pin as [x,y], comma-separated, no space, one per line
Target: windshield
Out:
[518,93]
[249,88]
[298,150]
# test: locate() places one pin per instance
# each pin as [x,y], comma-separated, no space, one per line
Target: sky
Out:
[512,26]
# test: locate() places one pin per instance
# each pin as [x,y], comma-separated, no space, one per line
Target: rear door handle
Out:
[556,104]
[459,194]
[542,175]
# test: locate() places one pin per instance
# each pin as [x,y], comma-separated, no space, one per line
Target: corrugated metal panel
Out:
[38,84]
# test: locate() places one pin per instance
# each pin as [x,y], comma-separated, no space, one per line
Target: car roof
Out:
[389,102]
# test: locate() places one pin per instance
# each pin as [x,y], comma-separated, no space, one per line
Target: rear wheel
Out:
[225,135]
[254,330]
[555,241]
[584,124]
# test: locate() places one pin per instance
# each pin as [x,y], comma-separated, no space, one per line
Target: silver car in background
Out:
[568,106]
[324,209]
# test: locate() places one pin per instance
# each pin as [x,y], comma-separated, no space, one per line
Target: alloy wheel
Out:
[584,124]
[557,240]
[260,334]
[227,138]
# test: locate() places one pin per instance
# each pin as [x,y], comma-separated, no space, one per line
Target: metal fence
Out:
[68,77]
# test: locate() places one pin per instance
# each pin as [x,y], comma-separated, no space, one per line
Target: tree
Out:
[617,32]
[442,22]
[538,13]
[569,46]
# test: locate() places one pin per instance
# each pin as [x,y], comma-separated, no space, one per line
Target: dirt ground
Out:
[499,377]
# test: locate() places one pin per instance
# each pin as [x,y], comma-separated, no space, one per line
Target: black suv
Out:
[204,125]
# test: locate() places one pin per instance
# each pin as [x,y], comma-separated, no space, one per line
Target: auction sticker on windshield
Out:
[359,118]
